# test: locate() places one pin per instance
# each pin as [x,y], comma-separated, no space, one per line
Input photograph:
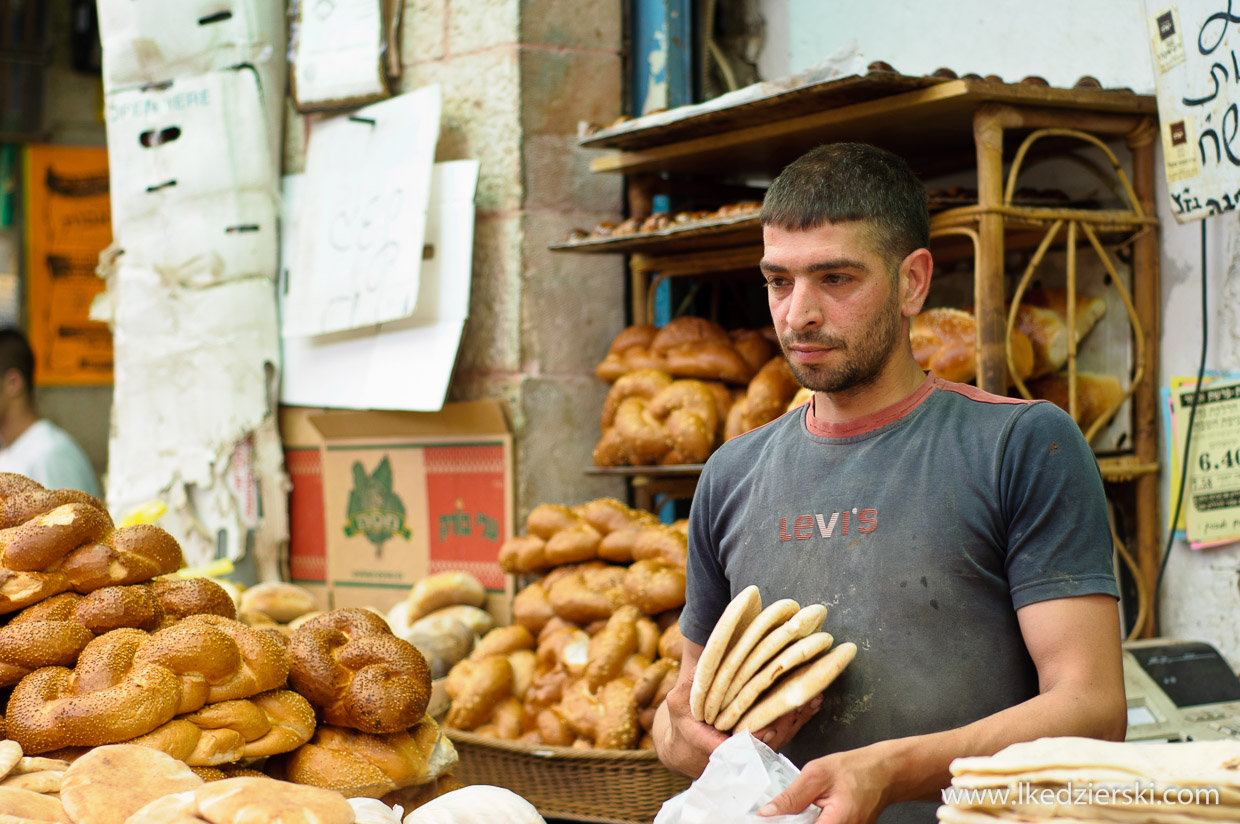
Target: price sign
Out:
[1213,501]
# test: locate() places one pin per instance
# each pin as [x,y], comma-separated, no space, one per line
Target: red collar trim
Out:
[875,420]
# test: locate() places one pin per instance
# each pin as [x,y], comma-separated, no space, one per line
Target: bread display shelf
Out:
[928,126]
[738,231]
[673,471]
[712,118]
[615,786]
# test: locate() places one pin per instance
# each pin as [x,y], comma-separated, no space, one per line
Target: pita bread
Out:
[773,616]
[109,784]
[738,614]
[10,755]
[808,648]
[807,621]
[32,806]
[798,687]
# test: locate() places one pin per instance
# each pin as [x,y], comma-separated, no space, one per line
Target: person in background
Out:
[958,538]
[31,445]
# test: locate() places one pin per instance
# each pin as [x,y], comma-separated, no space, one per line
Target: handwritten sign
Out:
[1196,51]
[366,191]
[1213,502]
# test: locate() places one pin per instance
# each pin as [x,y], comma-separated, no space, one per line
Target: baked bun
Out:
[629,351]
[358,764]
[944,342]
[348,664]
[267,724]
[279,601]
[28,646]
[444,589]
[1098,395]
[766,398]
[694,347]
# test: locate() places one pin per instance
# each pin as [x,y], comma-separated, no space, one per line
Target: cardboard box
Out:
[408,494]
[151,41]
[190,188]
[303,461]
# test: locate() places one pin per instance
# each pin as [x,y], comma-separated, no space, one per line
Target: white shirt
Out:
[48,454]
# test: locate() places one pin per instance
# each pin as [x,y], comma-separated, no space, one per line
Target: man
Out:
[34,446]
[958,538]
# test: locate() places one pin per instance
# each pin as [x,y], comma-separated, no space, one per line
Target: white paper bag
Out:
[742,776]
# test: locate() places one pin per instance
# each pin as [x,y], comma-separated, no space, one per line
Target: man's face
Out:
[835,304]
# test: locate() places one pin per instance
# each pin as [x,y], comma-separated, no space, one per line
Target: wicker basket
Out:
[612,786]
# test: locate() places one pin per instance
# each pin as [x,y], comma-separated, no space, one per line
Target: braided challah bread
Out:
[649,419]
[687,347]
[126,682]
[150,606]
[766,398]
[349,665]
[73,546]
[272,722]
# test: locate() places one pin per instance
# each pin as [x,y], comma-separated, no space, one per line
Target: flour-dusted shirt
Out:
[48,454]
[923,528]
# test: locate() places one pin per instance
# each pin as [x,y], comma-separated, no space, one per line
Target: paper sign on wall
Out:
[405,364]
[360,243]
[338,52]
[1196,50]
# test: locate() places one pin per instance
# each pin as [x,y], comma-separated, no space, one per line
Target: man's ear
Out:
[915,272]
[12,384]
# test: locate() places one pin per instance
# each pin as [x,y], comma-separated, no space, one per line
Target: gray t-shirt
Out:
[923,528]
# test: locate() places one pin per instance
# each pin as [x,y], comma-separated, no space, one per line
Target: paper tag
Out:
[1179,149]
[1168,43]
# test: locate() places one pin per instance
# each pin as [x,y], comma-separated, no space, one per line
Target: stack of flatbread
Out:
[759,664]
[1070,780]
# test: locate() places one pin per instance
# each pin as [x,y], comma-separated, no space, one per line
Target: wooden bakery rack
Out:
[940,126]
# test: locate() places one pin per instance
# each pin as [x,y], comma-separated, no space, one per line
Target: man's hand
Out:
[782,730]
[683,743]
[847,786]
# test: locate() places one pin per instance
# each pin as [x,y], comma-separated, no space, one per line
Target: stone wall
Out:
[517,78]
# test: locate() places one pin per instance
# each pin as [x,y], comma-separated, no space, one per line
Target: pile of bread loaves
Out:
[663,222]
[101,644]
[681,390]
[944,342]
[759,664]
[594,647]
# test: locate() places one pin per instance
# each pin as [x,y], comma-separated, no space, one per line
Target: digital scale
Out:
[1179,691]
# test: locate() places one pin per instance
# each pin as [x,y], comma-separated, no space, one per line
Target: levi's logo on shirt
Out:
[804,527]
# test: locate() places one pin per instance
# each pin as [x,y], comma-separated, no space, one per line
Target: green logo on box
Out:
[374,509]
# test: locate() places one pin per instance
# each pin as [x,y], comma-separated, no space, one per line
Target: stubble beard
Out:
[864,359]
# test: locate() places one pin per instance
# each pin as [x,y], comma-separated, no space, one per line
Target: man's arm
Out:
[1074,643]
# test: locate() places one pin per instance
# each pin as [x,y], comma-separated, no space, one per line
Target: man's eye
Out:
[776,283]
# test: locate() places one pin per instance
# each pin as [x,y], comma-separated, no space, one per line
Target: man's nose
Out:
[804,311]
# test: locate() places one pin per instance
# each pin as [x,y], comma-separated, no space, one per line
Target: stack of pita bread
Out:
[759,664]
[1069,780]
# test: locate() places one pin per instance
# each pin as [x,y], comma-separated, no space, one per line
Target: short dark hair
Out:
[845,182]
[15,353]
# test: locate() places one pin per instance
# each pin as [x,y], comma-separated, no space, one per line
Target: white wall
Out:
[1060,40]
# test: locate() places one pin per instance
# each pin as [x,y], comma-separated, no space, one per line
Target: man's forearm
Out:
[919,765]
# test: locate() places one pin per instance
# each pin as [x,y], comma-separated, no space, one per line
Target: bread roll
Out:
[444,589]
[1097,394]
[279,601]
